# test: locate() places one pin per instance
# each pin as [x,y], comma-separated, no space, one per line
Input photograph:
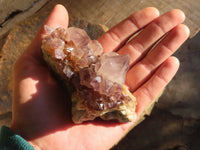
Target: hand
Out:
[40,109]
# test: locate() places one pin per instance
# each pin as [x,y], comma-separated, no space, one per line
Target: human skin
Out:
[41,110]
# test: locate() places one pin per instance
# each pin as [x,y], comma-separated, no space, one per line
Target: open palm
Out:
[41,111]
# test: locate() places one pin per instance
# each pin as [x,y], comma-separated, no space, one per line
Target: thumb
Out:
[57,18]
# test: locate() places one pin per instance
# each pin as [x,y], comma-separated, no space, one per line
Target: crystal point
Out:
[78,36]
[113,67]
[48,29]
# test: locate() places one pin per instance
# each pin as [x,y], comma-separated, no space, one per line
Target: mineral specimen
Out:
[95,80]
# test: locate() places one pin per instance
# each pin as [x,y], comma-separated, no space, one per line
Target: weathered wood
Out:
[13,12]
[107,12]
[110,12]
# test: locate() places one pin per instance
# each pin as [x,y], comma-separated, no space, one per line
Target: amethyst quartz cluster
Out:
[97,78]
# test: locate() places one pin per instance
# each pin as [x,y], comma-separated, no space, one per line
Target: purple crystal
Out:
[85,77]
[68,71]
[97,77]
[78,36]
[77,53]
[48,29]
[108,85]
[113,67]
[95,83]
[59,33]
[96,47]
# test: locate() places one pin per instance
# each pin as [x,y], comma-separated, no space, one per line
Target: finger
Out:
[57,18]
[117,35]
[156,84]
[139,45]
[139,73]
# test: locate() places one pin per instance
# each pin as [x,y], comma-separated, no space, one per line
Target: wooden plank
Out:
[111,12]
[12,12]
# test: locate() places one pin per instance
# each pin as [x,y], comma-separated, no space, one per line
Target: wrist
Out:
[11,140]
